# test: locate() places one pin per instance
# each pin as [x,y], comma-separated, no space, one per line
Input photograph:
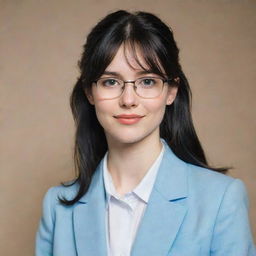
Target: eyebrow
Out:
[143,72]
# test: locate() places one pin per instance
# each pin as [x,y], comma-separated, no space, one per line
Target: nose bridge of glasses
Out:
[129,82]
[133,82]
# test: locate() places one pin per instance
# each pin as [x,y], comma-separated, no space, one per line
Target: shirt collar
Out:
[143,189]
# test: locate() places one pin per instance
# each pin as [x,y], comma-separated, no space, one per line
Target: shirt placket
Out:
[120,227]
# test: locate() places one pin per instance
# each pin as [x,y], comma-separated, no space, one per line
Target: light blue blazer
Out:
[192,211]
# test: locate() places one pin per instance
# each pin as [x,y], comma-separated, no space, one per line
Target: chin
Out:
[129,140]
[130,137]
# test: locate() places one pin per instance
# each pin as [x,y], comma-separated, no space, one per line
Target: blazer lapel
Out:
[89,219]
[166,208]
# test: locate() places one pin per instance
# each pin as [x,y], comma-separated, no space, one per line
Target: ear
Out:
[171,94]
[89,96]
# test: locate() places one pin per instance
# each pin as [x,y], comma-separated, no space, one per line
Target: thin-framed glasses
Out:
[145,87]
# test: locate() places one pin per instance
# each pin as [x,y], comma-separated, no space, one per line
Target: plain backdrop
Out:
[40,44]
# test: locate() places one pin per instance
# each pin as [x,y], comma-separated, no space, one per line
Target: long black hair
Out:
[156,42]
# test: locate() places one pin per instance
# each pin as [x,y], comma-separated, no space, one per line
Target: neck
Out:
[128,163]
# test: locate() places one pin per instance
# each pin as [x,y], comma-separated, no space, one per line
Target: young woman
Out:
[144,186]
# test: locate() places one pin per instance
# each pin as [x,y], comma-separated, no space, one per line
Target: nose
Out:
[128,97]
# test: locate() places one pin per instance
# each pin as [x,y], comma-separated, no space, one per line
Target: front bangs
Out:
[149,53]
[102,57]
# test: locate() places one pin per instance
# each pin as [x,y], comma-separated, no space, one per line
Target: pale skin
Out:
[132,148]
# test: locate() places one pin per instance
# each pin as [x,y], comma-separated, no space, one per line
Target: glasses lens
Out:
[149,87]
[109,87]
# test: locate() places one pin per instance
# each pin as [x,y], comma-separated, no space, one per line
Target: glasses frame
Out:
[134,86]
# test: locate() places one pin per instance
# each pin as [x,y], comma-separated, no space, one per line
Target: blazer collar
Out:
[96,189]
[163,216]
[89,219]
[171,181]
[166,208]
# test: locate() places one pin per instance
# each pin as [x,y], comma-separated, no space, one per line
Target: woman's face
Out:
[112,113]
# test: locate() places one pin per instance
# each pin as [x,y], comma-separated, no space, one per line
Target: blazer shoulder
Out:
[204,175]
[208,181]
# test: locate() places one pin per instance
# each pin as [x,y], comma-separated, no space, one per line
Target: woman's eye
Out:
[109,82]
[148,82]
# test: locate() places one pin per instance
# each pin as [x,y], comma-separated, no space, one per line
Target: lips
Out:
[128,118]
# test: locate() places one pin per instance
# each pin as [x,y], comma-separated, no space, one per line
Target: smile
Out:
[128,119]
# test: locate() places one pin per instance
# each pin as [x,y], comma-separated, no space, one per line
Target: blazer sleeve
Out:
[232,234]
[44,235]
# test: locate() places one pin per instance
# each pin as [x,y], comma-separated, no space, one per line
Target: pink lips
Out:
[128,118]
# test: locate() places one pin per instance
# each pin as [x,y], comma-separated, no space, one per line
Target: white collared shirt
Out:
[124,213]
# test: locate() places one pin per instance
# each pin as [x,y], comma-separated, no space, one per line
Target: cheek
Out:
[103,111]
[156,109]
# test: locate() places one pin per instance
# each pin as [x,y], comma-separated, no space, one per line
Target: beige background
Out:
[40,45]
